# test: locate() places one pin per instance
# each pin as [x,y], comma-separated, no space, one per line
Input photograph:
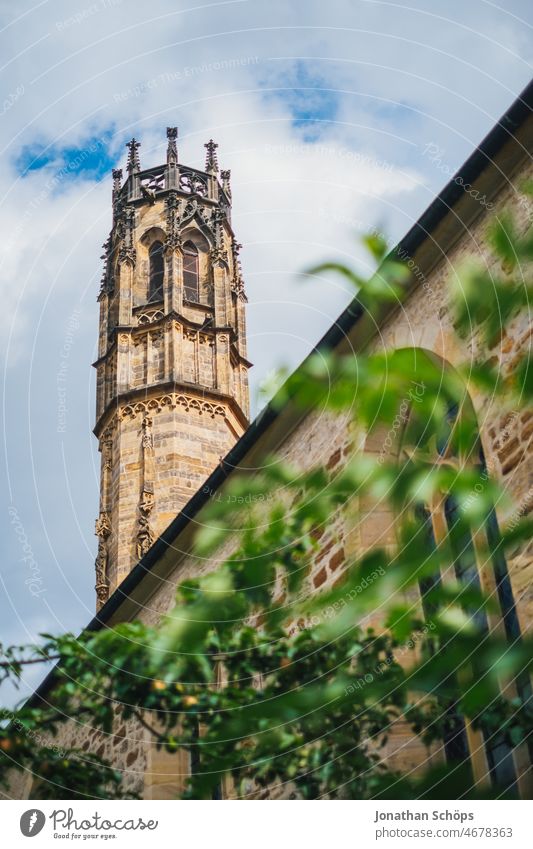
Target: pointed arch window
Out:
[157,272]
[444,522]
[191,282]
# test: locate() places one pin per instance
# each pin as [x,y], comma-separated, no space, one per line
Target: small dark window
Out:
[157,272]
[191,290]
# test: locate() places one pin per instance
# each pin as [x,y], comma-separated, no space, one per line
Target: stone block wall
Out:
[190,435]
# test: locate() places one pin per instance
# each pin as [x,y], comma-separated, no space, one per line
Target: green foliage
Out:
[280,688]
[484,301]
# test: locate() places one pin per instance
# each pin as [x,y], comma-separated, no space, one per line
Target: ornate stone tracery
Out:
[171,401]
[190,182]
[149,317]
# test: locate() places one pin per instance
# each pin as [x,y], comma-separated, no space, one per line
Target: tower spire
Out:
[172,371]
[211,163]
[134,164]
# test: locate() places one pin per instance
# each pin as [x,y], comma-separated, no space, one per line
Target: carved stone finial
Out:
[217,255]
[102,526]
[102,580]
[237,286]
[172,149]
[106,248]
[134,163]
[145,536]
[211,163]
[237,283]
[102,531]
[127,251]
[116,193]
[173,239]
[147,438]
[117,180]
[225,176]
[218,252]
[105,283]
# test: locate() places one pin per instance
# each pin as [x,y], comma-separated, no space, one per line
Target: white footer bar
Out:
[268,825]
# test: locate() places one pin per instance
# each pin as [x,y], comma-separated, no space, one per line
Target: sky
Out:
[324,112]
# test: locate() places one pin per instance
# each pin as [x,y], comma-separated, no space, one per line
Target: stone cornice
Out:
[169,395]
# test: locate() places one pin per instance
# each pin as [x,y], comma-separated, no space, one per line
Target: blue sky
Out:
[322,112]
[312,101]
[90,159]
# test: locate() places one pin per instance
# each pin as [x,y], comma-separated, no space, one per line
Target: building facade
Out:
[142,424]
[172,372]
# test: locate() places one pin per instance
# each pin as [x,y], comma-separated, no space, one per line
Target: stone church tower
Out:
[172,373]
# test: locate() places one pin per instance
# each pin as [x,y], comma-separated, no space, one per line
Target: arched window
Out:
[444,523]
[157,272]
[441,523]
[191,288]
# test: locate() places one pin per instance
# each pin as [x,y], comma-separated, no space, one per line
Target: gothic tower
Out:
[172,373]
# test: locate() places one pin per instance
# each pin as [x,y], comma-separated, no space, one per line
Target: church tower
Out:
[172,373]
